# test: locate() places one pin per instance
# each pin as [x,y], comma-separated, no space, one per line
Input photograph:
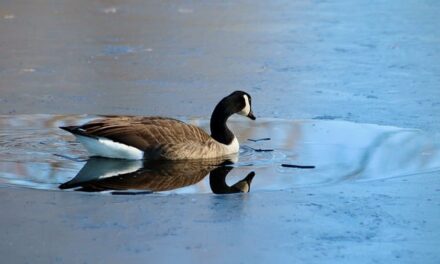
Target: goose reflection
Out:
[217,181]
[102,174]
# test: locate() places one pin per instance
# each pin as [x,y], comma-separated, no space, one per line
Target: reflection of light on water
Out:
[400,153]
[341,151]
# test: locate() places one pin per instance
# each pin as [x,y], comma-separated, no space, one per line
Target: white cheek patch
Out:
[247,108]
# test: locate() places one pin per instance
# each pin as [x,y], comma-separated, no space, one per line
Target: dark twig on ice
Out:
[70,158]
[261,150]
[260,139]
[298,166]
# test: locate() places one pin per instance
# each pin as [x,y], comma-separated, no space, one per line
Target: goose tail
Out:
[76,130]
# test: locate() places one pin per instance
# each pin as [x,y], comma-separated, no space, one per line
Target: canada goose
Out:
[101,174]
[164,138]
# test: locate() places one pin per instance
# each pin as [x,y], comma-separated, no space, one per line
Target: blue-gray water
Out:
[361,61]
[35,153]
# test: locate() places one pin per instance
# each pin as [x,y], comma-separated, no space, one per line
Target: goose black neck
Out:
[219,129]
[217,180]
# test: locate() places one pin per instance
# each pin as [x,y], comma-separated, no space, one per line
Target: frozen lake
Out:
[350,87]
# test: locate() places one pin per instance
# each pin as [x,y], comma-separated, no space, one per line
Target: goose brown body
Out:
[157,137]
[131,137]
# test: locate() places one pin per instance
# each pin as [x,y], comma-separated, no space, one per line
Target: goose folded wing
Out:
[145,133]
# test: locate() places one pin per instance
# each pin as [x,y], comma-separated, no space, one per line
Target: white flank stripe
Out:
[132,167]
[108,148]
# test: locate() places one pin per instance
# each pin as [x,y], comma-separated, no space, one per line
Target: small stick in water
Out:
[298,166]
[260,139]
[70,158]
[261,150]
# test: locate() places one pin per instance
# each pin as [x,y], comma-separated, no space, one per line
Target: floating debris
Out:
[260,150]
[326,117]
[298,166]
[260,139]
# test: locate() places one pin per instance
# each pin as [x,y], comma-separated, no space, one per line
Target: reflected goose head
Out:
[217,180]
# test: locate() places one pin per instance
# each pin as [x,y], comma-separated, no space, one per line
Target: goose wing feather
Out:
[146,132]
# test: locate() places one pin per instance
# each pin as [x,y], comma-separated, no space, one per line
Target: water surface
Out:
[35,153]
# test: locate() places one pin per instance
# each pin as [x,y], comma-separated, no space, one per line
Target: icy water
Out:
[35,153]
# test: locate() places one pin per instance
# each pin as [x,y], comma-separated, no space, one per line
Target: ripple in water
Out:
[34,153]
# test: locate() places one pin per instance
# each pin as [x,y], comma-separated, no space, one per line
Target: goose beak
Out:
[251,115]
[244,185]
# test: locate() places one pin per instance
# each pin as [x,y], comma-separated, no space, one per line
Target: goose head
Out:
[239,102]
[217,181]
